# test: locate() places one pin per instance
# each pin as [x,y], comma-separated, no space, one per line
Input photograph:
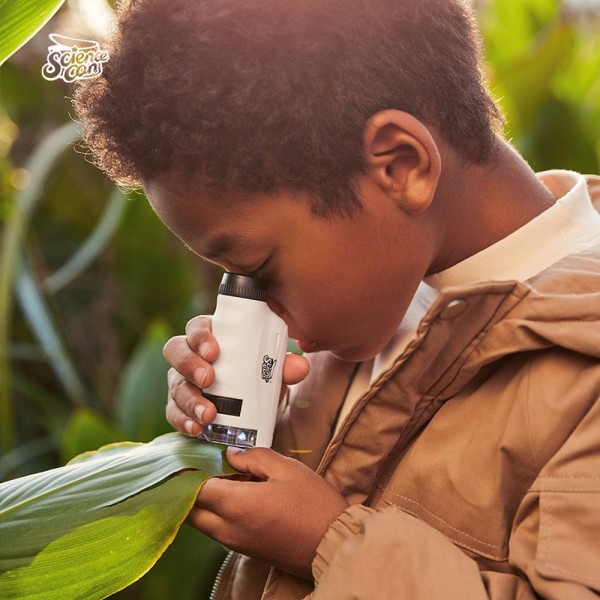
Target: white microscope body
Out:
[248,370]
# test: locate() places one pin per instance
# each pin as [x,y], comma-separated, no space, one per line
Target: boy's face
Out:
[341,284]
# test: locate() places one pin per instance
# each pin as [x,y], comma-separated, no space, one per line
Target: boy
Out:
[447,298]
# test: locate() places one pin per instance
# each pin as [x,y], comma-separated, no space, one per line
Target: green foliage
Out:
[96,525]
[21,20]
[92,284]
[86,431]
[545,69]
[15,274]
[98,284]
[142,395]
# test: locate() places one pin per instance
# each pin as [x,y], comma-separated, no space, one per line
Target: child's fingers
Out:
[263,463]
[181,422]
[187,409]
[184,360]
[198,332]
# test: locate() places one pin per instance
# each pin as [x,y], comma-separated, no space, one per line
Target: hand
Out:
[190,356]
[280,519]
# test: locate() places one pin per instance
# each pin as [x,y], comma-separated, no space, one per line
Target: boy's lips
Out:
[306,345]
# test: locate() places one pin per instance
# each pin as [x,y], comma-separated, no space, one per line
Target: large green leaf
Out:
[91,528]
[20,20]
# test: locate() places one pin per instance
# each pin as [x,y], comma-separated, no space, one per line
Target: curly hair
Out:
[260,96]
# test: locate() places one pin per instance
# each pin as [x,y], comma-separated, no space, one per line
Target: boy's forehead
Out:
[174,187]
[176,190]
[190,215]
[178,197]
[214,227]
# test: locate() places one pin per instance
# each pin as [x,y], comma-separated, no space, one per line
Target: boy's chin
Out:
[355,354]
[350,351]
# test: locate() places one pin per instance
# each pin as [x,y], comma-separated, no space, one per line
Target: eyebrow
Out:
[224,243]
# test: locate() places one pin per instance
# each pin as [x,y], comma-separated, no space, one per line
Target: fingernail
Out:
[189,426]
[204,349]
[234,450]
[199,376]
[198,410]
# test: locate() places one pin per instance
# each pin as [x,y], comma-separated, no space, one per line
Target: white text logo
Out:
[71,59]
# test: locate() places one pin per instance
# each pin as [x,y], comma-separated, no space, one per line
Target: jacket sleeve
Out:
[389,554]
[554,547]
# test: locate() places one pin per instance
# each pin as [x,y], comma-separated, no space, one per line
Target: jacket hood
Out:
[560,307]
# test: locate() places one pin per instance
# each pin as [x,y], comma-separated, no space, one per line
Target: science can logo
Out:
[267,367]
[71,59]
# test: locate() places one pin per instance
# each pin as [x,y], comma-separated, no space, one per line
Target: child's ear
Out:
[403,158]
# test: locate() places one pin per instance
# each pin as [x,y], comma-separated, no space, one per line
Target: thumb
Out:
[295,369]
[259,462]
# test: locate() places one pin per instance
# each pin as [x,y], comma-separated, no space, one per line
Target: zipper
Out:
[219,577]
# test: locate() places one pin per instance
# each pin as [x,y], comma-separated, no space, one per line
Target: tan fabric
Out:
[473,462]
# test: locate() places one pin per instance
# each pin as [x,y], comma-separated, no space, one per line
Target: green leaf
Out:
[92,247]
[157,274]
[85,431]
[104,556]
[142,394]
[21,20]
[47,332]
[91,528]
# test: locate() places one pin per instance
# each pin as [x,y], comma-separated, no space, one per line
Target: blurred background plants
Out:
[92,284]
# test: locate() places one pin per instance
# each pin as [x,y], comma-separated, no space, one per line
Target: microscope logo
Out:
[72,59]
[268,366]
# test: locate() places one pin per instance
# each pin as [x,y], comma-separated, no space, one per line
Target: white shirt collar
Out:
[572,224]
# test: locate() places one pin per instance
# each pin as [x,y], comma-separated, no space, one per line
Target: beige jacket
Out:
[472,464]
